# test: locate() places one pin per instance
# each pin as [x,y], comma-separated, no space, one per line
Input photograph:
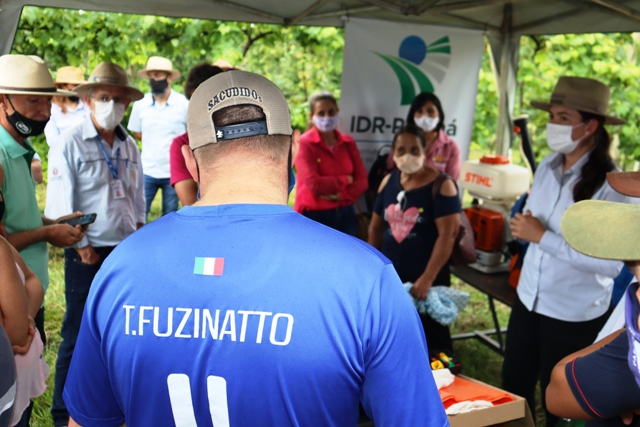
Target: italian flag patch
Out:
[208,266]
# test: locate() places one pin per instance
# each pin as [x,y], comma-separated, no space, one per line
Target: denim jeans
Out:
[341,219]
[77,281]
[169,196]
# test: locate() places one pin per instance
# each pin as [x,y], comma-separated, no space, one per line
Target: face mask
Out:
[427,123]
[559,138]
[74,98]
[159,87]
[24,126]
[409,163]
[108,114]
[326,124]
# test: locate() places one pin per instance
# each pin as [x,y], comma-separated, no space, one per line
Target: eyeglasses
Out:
[105,98]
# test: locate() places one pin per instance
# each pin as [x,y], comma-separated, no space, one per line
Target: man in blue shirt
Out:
[237,311]
[156,120]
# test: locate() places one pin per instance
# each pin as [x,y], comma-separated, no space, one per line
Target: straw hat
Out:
[578,93]
[606,230]
[158,63]
[70,75]
[27,75]
[108,73]
[224,65]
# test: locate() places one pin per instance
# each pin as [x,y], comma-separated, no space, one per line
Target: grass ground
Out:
[478,361]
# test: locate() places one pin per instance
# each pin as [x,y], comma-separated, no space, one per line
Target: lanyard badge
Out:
[117,188]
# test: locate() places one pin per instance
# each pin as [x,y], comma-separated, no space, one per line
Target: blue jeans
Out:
[169,196]
[77,281]
[341,219]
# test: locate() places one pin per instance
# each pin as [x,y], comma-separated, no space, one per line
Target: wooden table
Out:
[495,286]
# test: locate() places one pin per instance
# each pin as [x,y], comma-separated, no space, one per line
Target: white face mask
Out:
[108,114]
[427,123]
[409,163]
[559,138]
[326,124]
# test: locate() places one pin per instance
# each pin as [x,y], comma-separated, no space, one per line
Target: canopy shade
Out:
[503,20]
[528,16]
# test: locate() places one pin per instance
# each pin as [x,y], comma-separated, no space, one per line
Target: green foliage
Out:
[300,60]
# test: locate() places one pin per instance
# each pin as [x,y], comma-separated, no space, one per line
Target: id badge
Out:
[117,189]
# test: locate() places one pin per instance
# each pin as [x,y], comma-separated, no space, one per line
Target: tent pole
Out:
[505,49]
[9,20]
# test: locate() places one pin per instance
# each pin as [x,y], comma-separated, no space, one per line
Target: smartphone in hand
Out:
[80,220]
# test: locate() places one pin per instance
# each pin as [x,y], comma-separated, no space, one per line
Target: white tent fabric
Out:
[503,20]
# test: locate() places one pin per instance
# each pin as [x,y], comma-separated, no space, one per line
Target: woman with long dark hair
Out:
[563,297]
[441,152]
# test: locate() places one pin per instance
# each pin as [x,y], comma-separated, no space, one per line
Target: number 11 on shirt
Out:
[182,403]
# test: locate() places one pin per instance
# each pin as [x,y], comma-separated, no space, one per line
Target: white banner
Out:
[387,63]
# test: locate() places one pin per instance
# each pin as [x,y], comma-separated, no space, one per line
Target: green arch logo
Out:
[433,60]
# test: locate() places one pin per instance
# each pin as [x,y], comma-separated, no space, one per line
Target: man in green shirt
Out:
[26,88]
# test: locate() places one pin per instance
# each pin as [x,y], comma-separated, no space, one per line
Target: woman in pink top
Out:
[443,152]
[331,175]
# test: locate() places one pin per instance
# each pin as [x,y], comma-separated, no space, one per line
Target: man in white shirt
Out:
[94,168]
[156,120]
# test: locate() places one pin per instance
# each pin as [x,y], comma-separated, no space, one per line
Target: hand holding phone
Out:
[80,220]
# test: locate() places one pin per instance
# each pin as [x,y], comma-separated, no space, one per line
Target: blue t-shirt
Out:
[248,315]
[410,228]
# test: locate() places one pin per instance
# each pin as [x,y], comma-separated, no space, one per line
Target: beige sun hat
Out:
[27,75]
[582,94]
[70,75]
[606,229]
[603,229]
[224,65]
[236,88]
[158,63]
[108,73]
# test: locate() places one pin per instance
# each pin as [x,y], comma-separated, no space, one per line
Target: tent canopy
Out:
[503,20]
[528,16]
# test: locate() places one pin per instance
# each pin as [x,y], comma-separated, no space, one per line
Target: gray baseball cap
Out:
[236,88]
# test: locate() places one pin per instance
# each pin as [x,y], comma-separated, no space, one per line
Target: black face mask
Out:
[158,87]
[24,126]
[74,98]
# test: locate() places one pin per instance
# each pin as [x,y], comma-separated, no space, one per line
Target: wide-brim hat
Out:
[627,183]
[603,229]
[582,94]
[27,75]
[70,75]
[110,74]
[158,63]
[224,65]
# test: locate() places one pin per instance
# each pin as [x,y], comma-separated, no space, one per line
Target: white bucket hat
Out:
[27,75]
[158,63]
[108,73]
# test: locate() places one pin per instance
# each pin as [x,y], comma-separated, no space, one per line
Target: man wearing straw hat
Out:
[602,381]
[66,112]
[256,316]
[94,168]
[156,120]
[26,88]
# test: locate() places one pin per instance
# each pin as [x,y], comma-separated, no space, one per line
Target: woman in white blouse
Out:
[563,297]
